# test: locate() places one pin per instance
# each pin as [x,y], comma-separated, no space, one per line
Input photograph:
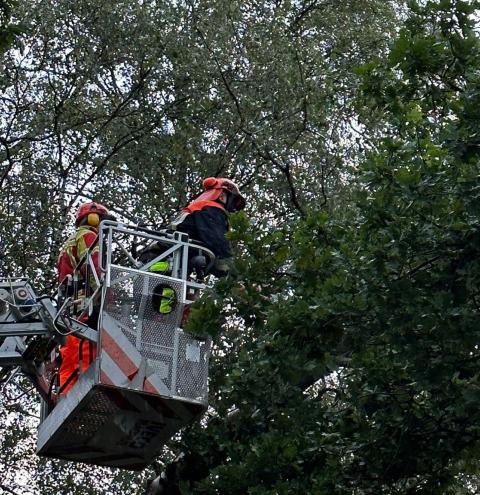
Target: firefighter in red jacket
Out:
[73,252]
[205,219]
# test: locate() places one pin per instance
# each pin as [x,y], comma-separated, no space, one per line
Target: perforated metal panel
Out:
[111,426]
[149,338]
[192,368]
[131,302]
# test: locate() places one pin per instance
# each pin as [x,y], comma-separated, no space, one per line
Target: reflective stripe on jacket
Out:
[75,248]
[200,205]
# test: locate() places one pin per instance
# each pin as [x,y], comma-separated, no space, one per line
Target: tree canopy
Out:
[346,343]
[134,102]
[355,369]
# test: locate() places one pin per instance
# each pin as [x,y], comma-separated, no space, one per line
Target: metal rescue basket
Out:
[149,377]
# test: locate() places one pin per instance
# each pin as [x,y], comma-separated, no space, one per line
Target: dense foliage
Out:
[9,30]
[355,366]
[134,102]
[346,343]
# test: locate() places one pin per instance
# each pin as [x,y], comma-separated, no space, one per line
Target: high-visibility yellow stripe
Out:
[166,301]
[159,266]
[68,250]
[82,247]
[75,246]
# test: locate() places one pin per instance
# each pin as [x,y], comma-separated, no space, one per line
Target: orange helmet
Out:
[87,209]
[214,186]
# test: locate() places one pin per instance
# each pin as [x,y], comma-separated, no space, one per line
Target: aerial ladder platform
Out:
[147,379]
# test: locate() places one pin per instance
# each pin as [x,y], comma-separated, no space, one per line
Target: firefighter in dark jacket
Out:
[205,219]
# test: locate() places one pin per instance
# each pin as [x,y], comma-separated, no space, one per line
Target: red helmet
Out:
[87,208]
[214,186]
